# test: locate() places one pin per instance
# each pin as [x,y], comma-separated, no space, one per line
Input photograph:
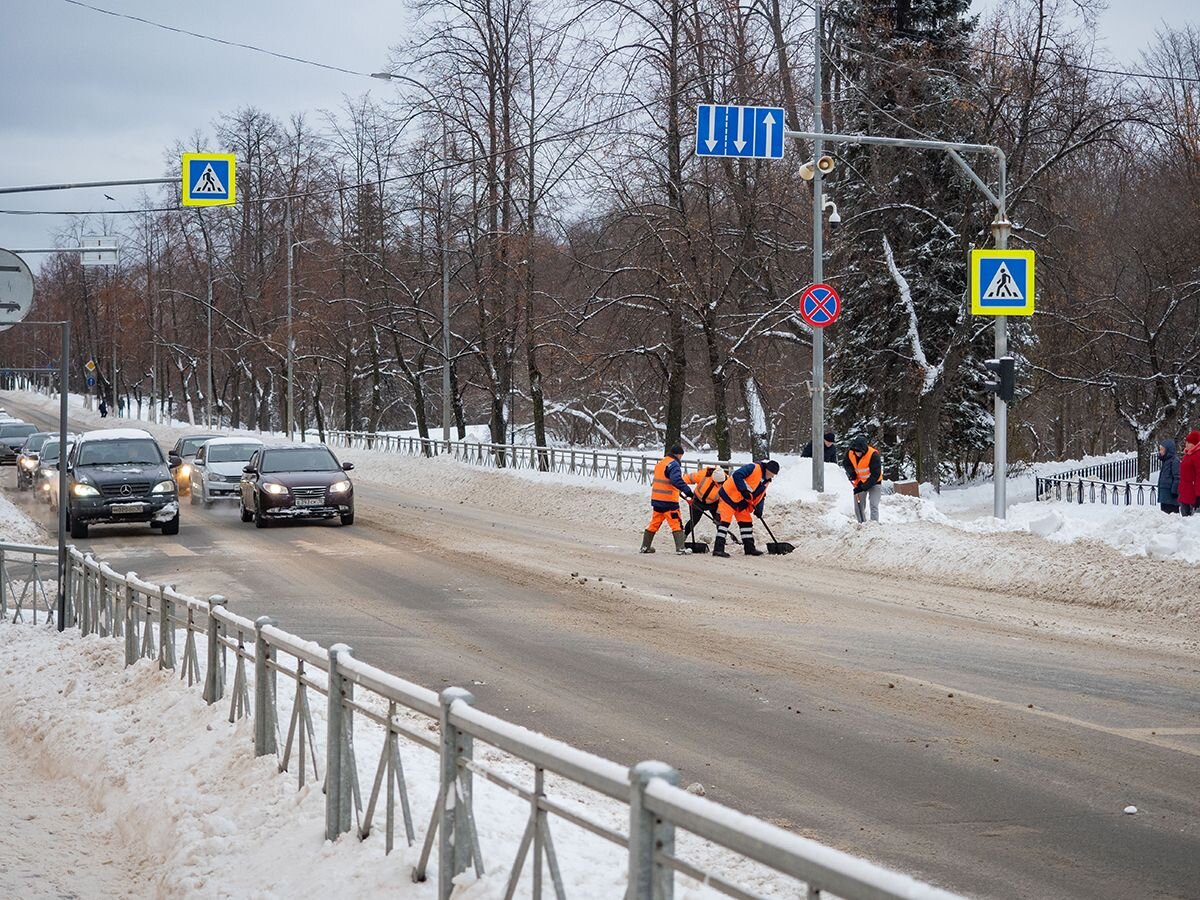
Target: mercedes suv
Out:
[120,475]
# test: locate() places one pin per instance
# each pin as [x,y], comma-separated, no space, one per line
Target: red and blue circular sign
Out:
[820,305]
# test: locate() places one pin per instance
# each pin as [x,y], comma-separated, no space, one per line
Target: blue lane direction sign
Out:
[91,382]
[752,132]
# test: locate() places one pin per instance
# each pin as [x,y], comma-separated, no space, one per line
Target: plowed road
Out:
[983,741]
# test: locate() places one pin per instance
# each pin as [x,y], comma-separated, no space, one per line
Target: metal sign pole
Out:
[1001,228]
[64,386]
[818,214]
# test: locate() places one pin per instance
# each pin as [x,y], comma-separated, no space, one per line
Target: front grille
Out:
[309,493]
[136,489]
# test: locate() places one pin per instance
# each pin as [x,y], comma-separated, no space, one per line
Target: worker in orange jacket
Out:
[665,489]
[740,497]
[706,486]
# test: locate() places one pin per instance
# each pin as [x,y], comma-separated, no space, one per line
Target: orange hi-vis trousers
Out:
[670,516]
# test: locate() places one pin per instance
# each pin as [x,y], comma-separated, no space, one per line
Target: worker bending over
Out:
[706,494]
[740,497]
[665,489]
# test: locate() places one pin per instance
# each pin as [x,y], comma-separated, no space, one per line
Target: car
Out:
[45,477]
[181,457]
[217,468]
[27,459]
[296,481]
[12,436]
[118,475]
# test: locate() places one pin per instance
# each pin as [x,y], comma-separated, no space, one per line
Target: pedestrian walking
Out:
[665,489]
[1189,474]
[1168,477]
[830,449]
[103,409]
[865,471]
[740,497]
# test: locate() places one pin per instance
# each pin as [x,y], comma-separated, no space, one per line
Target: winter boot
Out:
[647,539]
[679,548]
[751,550]
[719,548]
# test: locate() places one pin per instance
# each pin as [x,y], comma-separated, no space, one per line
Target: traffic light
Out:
[1004,384]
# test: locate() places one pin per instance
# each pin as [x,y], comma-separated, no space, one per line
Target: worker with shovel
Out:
[665,489]
[741,497]
[706,485]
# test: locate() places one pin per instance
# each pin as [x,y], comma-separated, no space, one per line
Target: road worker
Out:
[665,489]
[706,483]
[740,497]
[865,471]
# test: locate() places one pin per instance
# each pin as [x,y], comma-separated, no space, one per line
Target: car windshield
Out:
[192,444]
[302,459]
[220,453]
[12,431]
[50,450]
[35,442]
[119,452]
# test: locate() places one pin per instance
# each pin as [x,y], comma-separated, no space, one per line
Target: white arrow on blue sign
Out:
[754,132]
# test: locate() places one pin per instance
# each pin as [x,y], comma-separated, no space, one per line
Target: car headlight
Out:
[28,463]
[271,488]
[85,490]
[184,470]
[339,487]
[164,487]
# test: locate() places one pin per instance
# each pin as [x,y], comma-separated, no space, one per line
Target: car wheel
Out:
[260,521]
[348,518]
[246,514]
[171,526]
[78,529]
[195,501]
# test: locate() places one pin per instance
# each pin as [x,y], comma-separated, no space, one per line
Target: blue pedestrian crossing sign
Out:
[1002,282]
[753,132]
[209,179]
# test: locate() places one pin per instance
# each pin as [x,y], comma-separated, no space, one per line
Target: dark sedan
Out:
[299,481]
[12,436]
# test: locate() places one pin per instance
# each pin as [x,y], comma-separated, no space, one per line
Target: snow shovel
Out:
[774,547]
[694,546]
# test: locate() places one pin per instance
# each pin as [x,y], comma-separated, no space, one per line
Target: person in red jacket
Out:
[1189,474]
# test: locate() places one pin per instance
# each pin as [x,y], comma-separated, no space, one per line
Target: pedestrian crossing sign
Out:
[209,179]
[1002,282]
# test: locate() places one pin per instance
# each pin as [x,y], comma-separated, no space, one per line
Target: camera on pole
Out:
[1004,384]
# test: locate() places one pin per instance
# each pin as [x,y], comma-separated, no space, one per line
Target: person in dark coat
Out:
[830,450]
[103,409]
[1168,477]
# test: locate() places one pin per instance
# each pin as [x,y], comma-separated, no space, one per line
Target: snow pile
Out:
[16,527]
[180,789]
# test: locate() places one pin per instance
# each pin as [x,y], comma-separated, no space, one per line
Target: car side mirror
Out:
[348,467]
[175,459]
[249,470]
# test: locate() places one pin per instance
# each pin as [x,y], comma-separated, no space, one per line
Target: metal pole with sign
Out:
[818,224]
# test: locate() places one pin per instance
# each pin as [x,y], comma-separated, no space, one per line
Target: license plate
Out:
[309,501]
[128,507]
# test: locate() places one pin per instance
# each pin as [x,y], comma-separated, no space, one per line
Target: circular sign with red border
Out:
[820,305]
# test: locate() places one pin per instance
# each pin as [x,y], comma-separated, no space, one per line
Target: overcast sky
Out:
[89,97]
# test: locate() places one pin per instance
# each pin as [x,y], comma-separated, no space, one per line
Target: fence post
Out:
[264,690]
[131,629]
[3,586]
[337,756]
[455,837]
[166,630]
[649,835]
[214,677]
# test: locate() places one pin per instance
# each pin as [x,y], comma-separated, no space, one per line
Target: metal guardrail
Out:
[1111,472]
[610,464]
[151,620]
[1089,490]
[24,572]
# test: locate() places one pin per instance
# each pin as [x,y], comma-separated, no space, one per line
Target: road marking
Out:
[1142,735]
[175,550]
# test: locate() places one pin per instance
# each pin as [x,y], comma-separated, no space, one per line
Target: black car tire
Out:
[246,514]
[195,500]
[79,530]
[171,526]
[348,518]
[260,521]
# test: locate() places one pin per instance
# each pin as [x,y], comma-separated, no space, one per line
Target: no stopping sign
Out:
[820,305]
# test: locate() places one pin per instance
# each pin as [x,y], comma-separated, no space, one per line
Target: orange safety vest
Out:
[706,489]
[754,481]
[862,464]
[661,489]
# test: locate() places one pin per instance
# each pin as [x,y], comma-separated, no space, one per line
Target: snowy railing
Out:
[366,706]
[1112,472]
[24,572]
[1090,490]
[610,464]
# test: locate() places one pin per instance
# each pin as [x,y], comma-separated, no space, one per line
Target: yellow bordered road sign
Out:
[209,179]
[1002,282]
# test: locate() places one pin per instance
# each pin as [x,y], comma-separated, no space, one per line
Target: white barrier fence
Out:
[202,640]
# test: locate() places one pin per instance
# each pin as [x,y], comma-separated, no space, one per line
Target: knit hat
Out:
[829,436]
[772,466]
[676,450]
[1193,437]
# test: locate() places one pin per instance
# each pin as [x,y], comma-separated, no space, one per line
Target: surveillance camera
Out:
[808,171]
[825,164]
[835,220]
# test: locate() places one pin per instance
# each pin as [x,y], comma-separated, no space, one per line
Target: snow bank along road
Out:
[977,720]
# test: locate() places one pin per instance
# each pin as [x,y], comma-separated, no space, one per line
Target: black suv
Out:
[120,475]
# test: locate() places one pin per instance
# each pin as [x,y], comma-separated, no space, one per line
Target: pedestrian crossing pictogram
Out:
[209,179]
[1002,282]
[208,183]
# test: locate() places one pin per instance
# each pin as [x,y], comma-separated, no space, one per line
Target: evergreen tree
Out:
[906,352]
